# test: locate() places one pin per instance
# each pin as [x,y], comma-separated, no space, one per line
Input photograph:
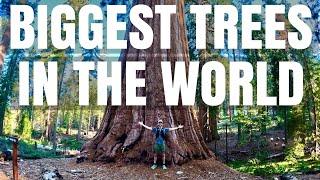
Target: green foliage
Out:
[27,149]
[25,126]
[250,122]
[262,155]
[254,161]
[296,151]
[36,134]
[271,168]
[71,143]
[8,121]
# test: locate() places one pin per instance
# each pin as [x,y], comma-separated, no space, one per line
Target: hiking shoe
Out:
[154,166]
[164,167]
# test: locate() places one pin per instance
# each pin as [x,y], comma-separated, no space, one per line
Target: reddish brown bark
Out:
[120,137]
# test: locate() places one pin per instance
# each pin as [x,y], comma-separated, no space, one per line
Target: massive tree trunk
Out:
[120,137]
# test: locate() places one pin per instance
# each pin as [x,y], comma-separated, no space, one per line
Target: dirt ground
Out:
[247,150]
[69,169]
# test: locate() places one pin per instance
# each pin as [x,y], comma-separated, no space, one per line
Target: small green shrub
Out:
[271,168]
[36,134]
[254,161]
[296,151]
[27,149]
[25,126]
[71,143]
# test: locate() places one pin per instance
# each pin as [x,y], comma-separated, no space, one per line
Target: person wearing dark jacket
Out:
[159,146]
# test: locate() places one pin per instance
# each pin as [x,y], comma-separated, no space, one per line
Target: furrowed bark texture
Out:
[120,137]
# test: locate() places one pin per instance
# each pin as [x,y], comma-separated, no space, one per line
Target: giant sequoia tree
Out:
[120,137]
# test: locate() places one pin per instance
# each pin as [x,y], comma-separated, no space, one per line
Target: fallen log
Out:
[278,155]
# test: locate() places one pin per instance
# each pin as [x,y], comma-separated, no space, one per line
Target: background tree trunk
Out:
[89,120]
[47,124]
[7,85]
[203,108]
[80,124]
[120,137]
[4,45]
[98,122]
[213,123]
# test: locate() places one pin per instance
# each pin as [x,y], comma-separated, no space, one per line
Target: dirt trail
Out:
[69,169]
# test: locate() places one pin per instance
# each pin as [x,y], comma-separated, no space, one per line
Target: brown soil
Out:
[197,169]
